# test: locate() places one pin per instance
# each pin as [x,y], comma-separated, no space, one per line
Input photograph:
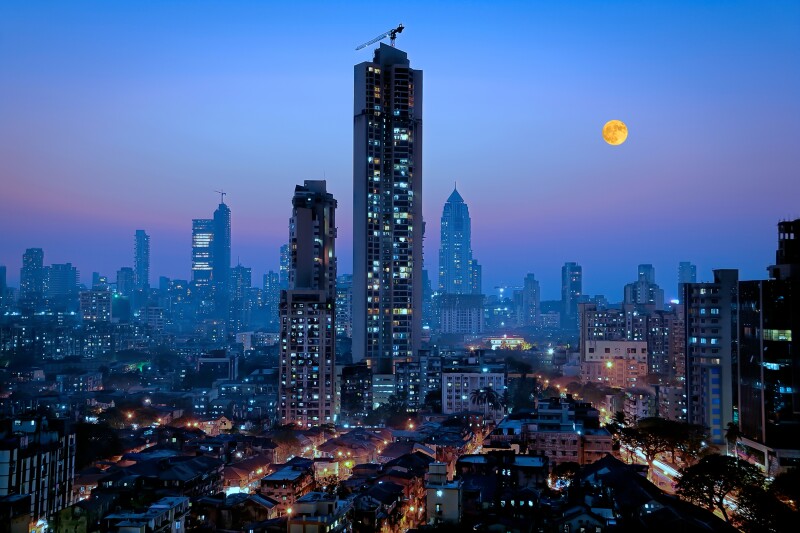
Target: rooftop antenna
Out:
[392,34]
[221,196]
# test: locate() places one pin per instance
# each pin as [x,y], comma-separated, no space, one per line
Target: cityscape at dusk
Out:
[134,117]
[335,267]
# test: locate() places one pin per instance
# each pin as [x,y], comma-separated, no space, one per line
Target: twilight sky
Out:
[122,115]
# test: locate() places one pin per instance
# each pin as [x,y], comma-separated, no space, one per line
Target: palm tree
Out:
[478,396]
[732,435]
[486,396]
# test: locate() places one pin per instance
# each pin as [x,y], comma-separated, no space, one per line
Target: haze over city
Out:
[118,116]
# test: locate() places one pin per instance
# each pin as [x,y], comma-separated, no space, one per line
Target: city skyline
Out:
[671,109]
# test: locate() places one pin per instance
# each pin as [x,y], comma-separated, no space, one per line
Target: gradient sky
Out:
[123,115]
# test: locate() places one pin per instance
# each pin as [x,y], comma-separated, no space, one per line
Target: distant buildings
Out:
[531,302]
[387,210]
[211,262]
[455,251]
[202,266]
[571,291]
[344,305]
[644,290]
[141,260]
[307,311]
[31,285]
[687,273]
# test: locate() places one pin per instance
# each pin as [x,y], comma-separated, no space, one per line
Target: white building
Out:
[458,384]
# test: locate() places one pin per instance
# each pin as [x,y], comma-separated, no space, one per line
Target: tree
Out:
[94,442]
[786,487]
[433,400]
[732,435]
[716,478]
[486,396]
[645,438]
[759,510]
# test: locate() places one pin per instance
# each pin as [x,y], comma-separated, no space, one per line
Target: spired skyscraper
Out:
[308,311]
[456,265]
[387,210]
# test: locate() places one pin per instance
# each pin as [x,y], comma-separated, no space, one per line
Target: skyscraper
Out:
[241,283]
[202,252]
[455,252]
[531,301]
[141,260]
[387,210]
[31,278]
[221,259]
[571,290]
[306,394]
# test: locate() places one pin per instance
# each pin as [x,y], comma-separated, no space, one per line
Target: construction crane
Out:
[221,196]
[392,34]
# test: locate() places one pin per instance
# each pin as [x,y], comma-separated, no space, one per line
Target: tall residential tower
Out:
[141,260]
[308,311]
[571,290]
[387,210]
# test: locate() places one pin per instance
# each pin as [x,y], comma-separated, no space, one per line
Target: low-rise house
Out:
[167,515]
[288,483]
[233,512]
[319,512]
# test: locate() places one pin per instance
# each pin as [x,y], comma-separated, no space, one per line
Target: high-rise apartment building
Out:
[125,281]
[286,259]
[241,283]
[531,302]
[712,350]
[687,273]
[768,406]
[96,305]
[344,305]
[387,210]
[202,241]
[455,252]
[272,298]
[60,279]
[308,311]
[221,258]
[37,457]
[571,291]
[644,290]
[31,278]
[141,260]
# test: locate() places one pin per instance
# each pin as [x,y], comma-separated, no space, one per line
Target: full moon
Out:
[615,132]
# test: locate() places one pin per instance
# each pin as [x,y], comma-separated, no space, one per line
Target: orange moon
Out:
[615,132]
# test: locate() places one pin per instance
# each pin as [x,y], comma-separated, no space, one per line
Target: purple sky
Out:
[121,115]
